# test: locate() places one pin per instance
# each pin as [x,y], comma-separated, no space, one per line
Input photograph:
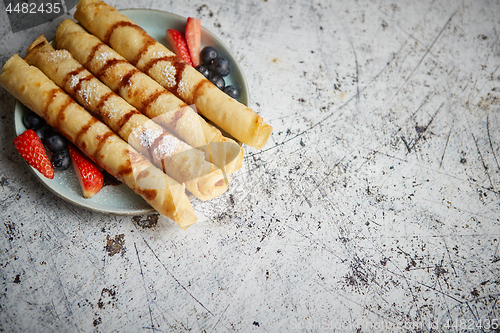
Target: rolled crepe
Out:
[154,59]
[148,96]
[175,157]
[33,89]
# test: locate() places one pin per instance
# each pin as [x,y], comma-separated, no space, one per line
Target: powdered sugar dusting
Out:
[148,135]
[86,92]
[183,88]
[167,147]
[111,109]
[168,74]
[73,82]
[102,57]
[158,55]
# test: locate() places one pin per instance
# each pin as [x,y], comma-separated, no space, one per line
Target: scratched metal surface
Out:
[375,203]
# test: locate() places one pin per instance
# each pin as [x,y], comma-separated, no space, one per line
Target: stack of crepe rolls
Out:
[36,91]
[154,59]
[148,96]
[179,160]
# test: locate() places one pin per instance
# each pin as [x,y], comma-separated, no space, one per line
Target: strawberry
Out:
[193,39]
[32,150]
[178,44]
[89,175]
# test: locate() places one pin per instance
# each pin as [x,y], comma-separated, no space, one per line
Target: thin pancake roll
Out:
[148,96]
[179,160]
[36,91]
[154,59]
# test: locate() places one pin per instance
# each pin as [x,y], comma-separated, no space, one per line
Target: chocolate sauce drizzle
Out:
[60,116]
[148,41]
[92,53]
[127,77]
[109,64]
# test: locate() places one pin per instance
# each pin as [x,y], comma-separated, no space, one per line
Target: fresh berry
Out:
[33,121]
[60,160]
[193,39]
[32,150]
[89,175]
[54,141]
[218,81]
[207,54]
[40,132]
[232,91]
[178,44]
[220,66]
[205,70]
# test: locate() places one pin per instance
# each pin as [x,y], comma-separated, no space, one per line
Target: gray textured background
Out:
[374,204]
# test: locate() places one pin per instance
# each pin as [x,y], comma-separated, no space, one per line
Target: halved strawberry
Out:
[178,44]
[32,150]
[193,39]
[89,175]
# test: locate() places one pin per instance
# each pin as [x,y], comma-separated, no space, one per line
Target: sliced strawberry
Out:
[193,39]
[32,150]
[178,44]
[89,175]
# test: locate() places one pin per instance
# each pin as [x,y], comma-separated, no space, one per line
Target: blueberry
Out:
[54,141]
[61,160]
[40,132]
[220,66]
[218,81]
[33,121]
[207,54]
[205,70]
[232,91]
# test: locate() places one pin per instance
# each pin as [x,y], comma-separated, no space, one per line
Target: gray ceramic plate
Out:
[120,199]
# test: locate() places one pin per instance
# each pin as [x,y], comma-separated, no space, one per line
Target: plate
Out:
[120,199]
